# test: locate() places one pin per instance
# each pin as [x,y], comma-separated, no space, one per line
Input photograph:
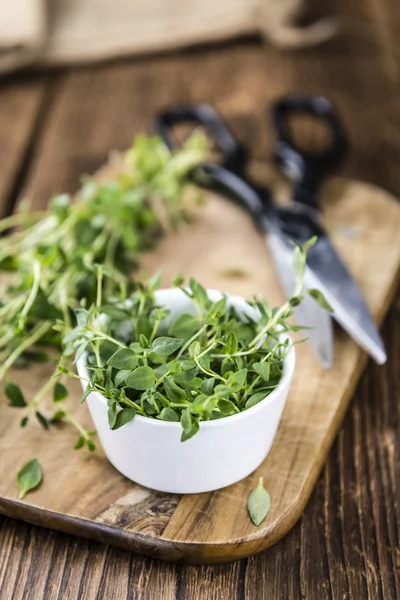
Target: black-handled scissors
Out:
[307,169]
[297,221]
[304,169]
[229,175]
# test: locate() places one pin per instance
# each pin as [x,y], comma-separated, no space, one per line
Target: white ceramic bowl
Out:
[149,451]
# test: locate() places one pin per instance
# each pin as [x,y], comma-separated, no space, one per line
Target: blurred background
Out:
[80,77]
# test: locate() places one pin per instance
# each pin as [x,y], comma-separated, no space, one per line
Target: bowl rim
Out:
[288,369]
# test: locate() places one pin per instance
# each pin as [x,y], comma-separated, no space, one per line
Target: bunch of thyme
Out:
[53,258]
[206,366]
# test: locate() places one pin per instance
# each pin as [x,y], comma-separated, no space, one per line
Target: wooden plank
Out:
[99,503]
[22,106]
[272,574]
[76,569]
[330,528]
[101,109]
[366,91]
[196,519]
[74,565]
[224,584]
[98,110]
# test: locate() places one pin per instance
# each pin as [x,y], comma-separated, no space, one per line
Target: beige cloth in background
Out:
[75,31]
[22,32]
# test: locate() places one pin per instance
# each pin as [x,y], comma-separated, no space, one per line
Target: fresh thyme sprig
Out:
[204,367]
[55,257]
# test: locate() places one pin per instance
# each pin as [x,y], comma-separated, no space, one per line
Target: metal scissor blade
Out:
[308,313]
[326,271]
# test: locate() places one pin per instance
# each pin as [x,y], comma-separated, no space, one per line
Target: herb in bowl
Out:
[191,368]
[52,258]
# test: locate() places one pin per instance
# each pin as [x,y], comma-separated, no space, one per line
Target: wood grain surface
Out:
[346,544]
[83,494]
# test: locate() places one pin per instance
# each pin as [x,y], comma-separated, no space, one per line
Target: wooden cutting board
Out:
[84,495]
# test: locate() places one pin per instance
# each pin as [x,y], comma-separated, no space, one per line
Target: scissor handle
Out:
[227,178]
[304,168]
[233,153]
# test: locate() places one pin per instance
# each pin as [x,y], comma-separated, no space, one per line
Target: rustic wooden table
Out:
[55,126]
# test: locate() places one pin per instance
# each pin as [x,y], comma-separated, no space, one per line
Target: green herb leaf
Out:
[137,348]
[121,377]
[207,386]
[57,416]
[178,280]
[221,390]
[190,425]
[310,243]
[231,344]
[218,309]
[296,300]
[184,327]
[187,365]
[237,380]
[255,399]
[299,263]
[150,404]
[60,392]
[226,407]
[80,351]
[258,503]
[80,443]
[42,420]
[82,316]
[194,349]
[227,365]
[155,281]
[263,369]
[143,328]
[199,293]
[15,395]
[123,417]
[124,359]
[209,319]
[156,359]
[168,414]
[320,299]
[86,393]
[173,391]
[142,378]
[91,446]
[24,421]
[203,405]
[29,477]
[166,345]
[143,341]
[116,313]
[112,413]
